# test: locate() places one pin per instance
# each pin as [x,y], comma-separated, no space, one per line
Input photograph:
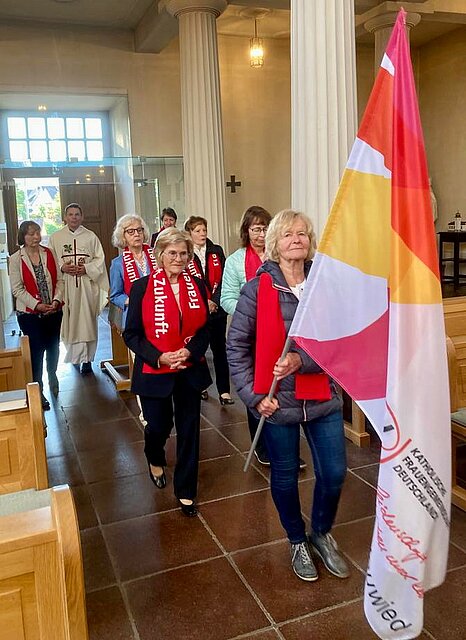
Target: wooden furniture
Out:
[456,238]
[15,366]
[356,431]
[454,310]
[458,426]
[120,367]
[23,461]
[41,575]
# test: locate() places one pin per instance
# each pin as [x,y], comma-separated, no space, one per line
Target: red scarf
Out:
[165,327]
[29,278]
[252,262]
[130,268]
[213,268]
[270,338]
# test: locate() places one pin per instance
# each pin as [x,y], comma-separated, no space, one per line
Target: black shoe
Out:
[86,367]
[45,403]
[189,510]
[302,464]
[262,458]
[225,401]
[53,384]
[204,395]
[159,481]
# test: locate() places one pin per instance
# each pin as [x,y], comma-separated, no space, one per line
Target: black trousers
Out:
[218,329]
[184,403]
[44,338]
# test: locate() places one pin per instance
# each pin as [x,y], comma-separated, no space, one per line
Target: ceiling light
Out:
[256,49]
[41,107]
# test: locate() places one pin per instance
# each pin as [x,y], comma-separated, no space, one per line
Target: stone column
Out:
[201,112]
[381,26]
[323,103]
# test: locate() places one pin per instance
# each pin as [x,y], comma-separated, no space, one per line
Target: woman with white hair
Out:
[135,261]
[305,395]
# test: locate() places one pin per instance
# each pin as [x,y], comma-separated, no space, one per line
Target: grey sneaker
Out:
[301,562]
[327,549]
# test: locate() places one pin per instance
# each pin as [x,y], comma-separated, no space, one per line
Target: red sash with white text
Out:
[166,327]
[29,279]
[270,339]
[213,271]
[130,268]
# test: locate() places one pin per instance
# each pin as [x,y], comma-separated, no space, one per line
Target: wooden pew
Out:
[23,461]
[41,574]
[455,327]
[458,426]
[15,366]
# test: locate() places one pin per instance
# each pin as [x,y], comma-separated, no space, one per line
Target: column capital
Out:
[385,20]
[178,7]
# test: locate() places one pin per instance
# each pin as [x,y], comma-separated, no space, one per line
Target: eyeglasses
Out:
[131,231]
[256,231]
[173,255]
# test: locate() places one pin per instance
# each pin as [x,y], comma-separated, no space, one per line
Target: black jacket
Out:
[161,385]
[213,248]
[241,354]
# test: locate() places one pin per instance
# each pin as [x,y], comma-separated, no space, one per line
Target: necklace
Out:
[142,263]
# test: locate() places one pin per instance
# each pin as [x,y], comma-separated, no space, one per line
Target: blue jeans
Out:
[327,442]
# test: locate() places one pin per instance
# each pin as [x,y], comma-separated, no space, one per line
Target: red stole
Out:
[252,262]
[213,268]
[29,279]
[130,268]
[165,328]
[270,339]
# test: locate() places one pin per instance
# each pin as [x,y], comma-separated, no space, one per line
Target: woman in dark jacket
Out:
[305,396]
[208,263]
[166,328]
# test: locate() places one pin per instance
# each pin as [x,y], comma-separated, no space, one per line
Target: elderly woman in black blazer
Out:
[166,328]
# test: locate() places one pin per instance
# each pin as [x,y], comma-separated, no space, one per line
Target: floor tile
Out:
[113,462]
[238,435]
[205,601]
[106,434]
[58,441]
[107,616]
[361,456]
[64,470]
[458,527]
[98,571]
[252,519]
[218,415]
[445,608]
[343,623]
[211,445]
[370,474]
[95,409]
[270,634]
[130,496]
[158,542]
[84,508]
[268,570]
[225,477]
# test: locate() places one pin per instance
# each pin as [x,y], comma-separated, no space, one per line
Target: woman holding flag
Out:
[207,263]
[305,396]
[166,327]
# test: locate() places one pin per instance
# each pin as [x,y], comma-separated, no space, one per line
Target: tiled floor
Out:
[152,574]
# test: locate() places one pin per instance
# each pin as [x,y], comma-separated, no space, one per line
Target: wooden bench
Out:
[458,426]
[455,327]
[23,461]
[120,367]
[41,574]
[15,366]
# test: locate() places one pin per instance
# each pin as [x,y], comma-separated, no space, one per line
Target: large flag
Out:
[371,315]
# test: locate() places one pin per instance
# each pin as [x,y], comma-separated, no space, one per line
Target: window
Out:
[56,138]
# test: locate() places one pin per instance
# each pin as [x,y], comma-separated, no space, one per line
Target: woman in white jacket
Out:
[37,286]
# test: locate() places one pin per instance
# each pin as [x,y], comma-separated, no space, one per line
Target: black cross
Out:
[233,184]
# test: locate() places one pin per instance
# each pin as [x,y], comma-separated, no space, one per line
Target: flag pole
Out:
[270,395]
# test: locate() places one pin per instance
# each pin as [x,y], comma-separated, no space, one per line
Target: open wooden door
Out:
[11,214]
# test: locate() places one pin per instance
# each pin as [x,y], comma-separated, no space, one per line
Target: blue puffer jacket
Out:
[241,354]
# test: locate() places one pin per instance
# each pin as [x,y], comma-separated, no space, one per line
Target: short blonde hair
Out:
[118,235]
[172,235]
[282,222]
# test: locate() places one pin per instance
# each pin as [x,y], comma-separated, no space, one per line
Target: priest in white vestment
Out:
[82,262]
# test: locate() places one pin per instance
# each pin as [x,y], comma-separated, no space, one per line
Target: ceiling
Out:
[153,28]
